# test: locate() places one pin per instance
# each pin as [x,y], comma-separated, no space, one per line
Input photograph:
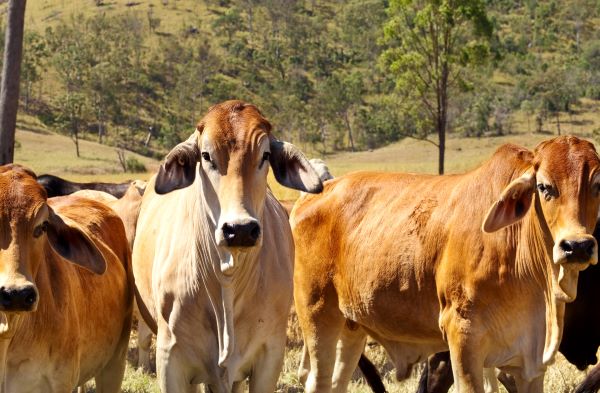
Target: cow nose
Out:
[241,235]
[578,250]
[18,299]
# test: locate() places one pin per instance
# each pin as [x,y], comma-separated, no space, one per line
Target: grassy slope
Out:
[48,152]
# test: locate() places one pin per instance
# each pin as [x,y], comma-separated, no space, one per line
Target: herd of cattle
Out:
[484,275]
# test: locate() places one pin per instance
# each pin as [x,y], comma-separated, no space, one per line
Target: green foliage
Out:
[330,75]
[134,165]
[431,45]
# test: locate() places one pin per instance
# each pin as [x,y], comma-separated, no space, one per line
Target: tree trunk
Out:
[11,72]
[558,122]
[350,138]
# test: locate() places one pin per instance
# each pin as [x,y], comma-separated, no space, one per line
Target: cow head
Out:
[235,148]
[28,227]
[563,183]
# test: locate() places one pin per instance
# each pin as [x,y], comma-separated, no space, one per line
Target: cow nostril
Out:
[30,297]
[5,297]
[255,232]
[228,231]
[588,246]
[567,247]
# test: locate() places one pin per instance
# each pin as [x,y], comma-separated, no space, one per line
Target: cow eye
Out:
[40,229]
[546,190]
[596,189]
[206,156]
[266,156]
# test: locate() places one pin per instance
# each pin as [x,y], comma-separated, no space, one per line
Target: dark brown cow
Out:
[403,258]
[56,186]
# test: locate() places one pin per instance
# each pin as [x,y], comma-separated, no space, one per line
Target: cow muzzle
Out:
[579,249]
[18,299]
[242,234]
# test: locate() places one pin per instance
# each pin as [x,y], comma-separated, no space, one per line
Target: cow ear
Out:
[292,169]
[179,169]
[74,245]
[513,204]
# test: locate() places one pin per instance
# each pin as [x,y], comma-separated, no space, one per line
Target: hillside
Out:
[141,73]
[47,152]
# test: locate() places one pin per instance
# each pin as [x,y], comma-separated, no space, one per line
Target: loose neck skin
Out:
[534,259]
[207,261]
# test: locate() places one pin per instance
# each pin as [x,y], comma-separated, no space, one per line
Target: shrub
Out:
[134,165]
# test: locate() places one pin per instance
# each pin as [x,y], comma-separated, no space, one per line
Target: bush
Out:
[134,165]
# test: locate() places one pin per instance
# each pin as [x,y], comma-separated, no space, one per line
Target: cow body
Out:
[402,258]
[213,255]
[81,327]
[56,186]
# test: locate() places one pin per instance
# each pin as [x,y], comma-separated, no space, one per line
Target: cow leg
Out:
[171,367]
[349,348]
[536,385]
[304,368]
[467,360]
[321,327]
[490,382]
[267,366]
[144,344]
[111,376]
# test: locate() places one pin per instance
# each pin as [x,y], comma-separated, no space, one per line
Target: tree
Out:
[32,64]
[431,43]
[11,71]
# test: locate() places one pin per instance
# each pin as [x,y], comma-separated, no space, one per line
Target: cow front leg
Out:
[535,385]
[144,346]
[171,366]
[349,348]
[267,366]
[466,354]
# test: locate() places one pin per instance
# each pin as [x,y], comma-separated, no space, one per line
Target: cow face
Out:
[565,180]
[28,227]
[235,148]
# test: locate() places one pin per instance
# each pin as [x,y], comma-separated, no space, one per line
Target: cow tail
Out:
[371,374]
[591,383]
[144,312]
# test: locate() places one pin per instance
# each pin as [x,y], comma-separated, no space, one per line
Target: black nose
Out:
[241,235]
[578,250]
[18,299]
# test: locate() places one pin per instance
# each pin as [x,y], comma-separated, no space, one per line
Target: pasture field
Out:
[46,152]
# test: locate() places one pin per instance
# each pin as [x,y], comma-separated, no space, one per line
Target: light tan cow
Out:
[213,256]
[66,290]
[480,263]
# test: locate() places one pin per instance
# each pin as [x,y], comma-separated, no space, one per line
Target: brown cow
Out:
[66,290]
[128,209]
[403,257]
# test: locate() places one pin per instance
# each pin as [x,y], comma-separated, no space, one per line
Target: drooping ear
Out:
[74,245]
[179,169]
[292,169]
[513,204]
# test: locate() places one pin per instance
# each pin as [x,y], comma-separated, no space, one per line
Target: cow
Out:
[213,255]
[56,186]
[579,344]
[480,263]
[66,290]
[128,209]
